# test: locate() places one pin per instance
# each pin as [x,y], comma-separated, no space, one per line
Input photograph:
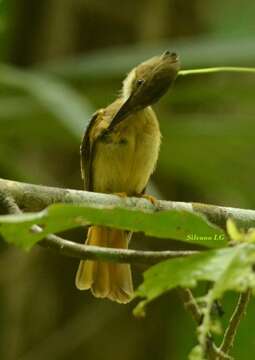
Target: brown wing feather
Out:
[86,155]
[99,124]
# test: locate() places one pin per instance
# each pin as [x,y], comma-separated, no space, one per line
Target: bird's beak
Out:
[156,87]
[125,110]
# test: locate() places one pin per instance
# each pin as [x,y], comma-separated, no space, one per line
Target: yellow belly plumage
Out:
[125,160]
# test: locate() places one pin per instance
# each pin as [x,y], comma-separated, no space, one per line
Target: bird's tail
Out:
[105,279]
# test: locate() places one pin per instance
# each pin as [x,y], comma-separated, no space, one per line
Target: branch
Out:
[90,252]
[213,352]
[238,314]
[72,249]
[36,197]
[191,306]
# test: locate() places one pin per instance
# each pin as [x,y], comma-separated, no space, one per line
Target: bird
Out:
[118,154]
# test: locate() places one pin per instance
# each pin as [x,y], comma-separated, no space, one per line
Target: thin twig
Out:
[217,69]
[72,249]
[7,204]
[213,352]
[234,322]
[191,306]
[31,197]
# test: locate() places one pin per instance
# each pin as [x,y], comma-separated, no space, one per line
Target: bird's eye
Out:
[140,82]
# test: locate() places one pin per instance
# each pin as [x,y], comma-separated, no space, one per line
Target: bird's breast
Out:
[125,158]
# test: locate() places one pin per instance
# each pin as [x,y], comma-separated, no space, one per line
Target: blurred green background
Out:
[61,60]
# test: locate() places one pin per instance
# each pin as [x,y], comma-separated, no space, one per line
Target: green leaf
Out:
[233,231]
[240,235]
[180,225]
[229,268]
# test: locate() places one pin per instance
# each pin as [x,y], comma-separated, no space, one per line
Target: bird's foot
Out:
[120,194]
[150,198]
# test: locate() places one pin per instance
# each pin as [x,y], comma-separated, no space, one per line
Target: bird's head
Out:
[150,80]
[147,83]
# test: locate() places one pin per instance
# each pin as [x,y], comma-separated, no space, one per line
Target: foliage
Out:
[180,225]
[228,269]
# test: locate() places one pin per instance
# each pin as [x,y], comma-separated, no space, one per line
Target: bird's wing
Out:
[99,126]
[86,153]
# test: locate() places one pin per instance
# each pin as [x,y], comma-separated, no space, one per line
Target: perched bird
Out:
[119,152]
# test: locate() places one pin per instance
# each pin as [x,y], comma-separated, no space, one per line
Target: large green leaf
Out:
[230,268]
[180,225]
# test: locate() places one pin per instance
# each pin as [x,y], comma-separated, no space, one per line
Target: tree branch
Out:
[31,197]
[72,249]
[90,252]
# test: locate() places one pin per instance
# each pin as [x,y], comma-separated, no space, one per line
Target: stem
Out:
[191,306]
[238,314]
[216,69]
